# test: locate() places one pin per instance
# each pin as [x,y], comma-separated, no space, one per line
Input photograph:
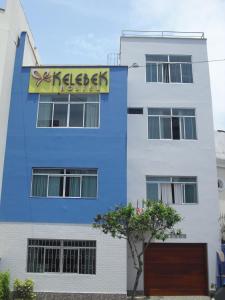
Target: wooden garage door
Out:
[176,269]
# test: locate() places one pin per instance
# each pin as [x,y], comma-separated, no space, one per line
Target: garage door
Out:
[175,269]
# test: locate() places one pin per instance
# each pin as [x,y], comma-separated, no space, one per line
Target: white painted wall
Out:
[220,161]
[111,269]
[174,157]
[12,23]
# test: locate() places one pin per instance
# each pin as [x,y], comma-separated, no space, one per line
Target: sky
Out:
[85,31]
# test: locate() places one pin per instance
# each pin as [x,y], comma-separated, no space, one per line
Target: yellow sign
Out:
[69,80]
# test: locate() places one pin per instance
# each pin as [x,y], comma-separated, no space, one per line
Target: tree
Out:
[139,227]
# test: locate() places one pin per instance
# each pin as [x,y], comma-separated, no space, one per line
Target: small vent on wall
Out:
[135,110]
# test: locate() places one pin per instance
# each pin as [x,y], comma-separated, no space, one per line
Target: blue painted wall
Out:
[28,147]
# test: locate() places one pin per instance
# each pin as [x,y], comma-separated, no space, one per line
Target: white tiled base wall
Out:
[111,264]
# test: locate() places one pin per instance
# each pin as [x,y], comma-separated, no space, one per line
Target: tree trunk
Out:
[139,271]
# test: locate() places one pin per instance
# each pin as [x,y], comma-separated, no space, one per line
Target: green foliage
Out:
[156,221]
[24,289]
[4,286]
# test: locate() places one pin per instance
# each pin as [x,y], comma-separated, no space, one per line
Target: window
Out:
[73,183]
[68,111]
[61,256]
[169,68]
[172,190]
[135,110]
[175,123]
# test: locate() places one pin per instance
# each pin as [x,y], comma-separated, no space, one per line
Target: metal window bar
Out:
[54,256]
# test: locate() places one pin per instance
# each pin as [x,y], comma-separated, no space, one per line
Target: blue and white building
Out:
[65,162]
[78,140]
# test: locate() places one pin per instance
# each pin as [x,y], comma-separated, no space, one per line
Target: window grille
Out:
[61,256]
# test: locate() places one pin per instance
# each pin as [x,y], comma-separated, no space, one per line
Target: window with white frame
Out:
[172,123]
[169,68]
[172,190]
[68,111]
[73,183]
[61,256]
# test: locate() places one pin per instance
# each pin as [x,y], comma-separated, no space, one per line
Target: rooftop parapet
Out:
[163,34]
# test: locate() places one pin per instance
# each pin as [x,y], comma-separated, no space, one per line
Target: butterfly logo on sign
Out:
[40,78]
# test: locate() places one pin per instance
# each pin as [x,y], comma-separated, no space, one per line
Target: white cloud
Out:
[192,15]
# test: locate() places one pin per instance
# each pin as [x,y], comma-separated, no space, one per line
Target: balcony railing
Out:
[166,34]
[113,59]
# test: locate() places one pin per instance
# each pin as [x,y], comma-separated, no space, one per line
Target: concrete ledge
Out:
[64,296]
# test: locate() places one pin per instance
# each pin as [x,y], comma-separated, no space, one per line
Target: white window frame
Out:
[169,63]
[68,111]
[64,175]
[173,116]
[174,182]
[61,248]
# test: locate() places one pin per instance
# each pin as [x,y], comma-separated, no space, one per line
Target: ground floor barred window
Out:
[61,256]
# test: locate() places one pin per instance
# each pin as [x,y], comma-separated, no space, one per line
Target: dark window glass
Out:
[45,115]
[35,260]
[153,128]
[160,72]
[176,128]
[73,187]
[184,179]
[91,115]
[152,191]
[60,115]
[135,110]
[190,193]
[166,73]
[76,115]
[175,75]
[156,57]
[87,261]
[190,128]
[60,98]
[187,73]
[55,188]
[180,58]
[151,72]
[159,111]
[70,261]
[39,185]
[165,125]
[89,186]
[183,111]
[52,259]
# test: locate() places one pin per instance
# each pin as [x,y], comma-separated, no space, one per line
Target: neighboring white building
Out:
[171,156]
[12,22]
[220,162]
